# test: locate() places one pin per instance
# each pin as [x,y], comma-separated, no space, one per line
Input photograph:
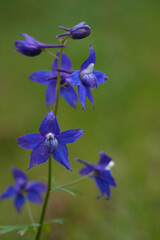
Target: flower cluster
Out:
[50,141]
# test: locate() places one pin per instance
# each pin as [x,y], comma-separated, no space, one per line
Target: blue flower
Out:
[24,190]
[50,78]
[79,31]
[87,78]
[49,142]
[31,47]
[101,173]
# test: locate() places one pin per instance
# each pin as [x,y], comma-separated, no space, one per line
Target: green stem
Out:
[30,215]
[75,181]
[64,41]
[51,54]
[46,199]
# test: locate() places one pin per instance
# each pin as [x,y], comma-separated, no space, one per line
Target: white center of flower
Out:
[50,136]
[110,165]
[88,70]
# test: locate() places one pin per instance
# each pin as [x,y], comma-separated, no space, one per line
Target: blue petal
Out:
[36,186]
[30,141]
[30,40]
[101,77]
[19,202]
[86,171]
[73,79]
[49,125]
[82,95]
[19,176]
[88,164]
[103,187]
[69,95]
[106,176]
[104,159]
[89,95]
[39,155]
[43,77]
[51,93]
[90,59]
[8,193]
[69,136]
[35,197]
[66,63]
[61,155]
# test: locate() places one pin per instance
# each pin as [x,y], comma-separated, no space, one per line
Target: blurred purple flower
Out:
[49,142]
[87,78]
[101,173]
[50,78]
[79,31]
[31,47]
[24,190]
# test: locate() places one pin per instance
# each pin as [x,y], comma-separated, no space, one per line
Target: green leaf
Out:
[56,220]
[23,230]
[46,227]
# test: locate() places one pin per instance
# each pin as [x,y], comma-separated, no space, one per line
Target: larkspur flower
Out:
[24,190]
[32,47]
[50,78]
[86,78]
[49,142]
[100,172]
[79,31]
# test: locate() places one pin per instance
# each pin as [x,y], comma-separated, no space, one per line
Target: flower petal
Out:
[36,186]
[51,93]
[103,187]
[85,171]
[69,136]
[19,176]
[42,77]
[35,197]
[8,193]
[30,141]
[88,164]
[101,77]
[106,176]
[90,59]
[69,95]
[104,159]
[73,79]
[66,63]
[49,125]
[89,95]
[19,202]
[61,155]
[82,95]
[39,155]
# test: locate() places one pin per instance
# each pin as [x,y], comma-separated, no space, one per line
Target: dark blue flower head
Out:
[86,78]
[101,173]
[24,190]
[31,47]
[79,31]
[50,78]
[49,142]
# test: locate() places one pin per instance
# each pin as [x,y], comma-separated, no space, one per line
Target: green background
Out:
[124,124]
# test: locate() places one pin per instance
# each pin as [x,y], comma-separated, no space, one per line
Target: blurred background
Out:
[124,124]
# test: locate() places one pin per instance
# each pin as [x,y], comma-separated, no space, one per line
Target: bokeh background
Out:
[124,124]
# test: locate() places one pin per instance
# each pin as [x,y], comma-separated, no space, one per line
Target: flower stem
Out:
[46,199]
[30,215]
[75,181]
[50,53]
[49,162]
